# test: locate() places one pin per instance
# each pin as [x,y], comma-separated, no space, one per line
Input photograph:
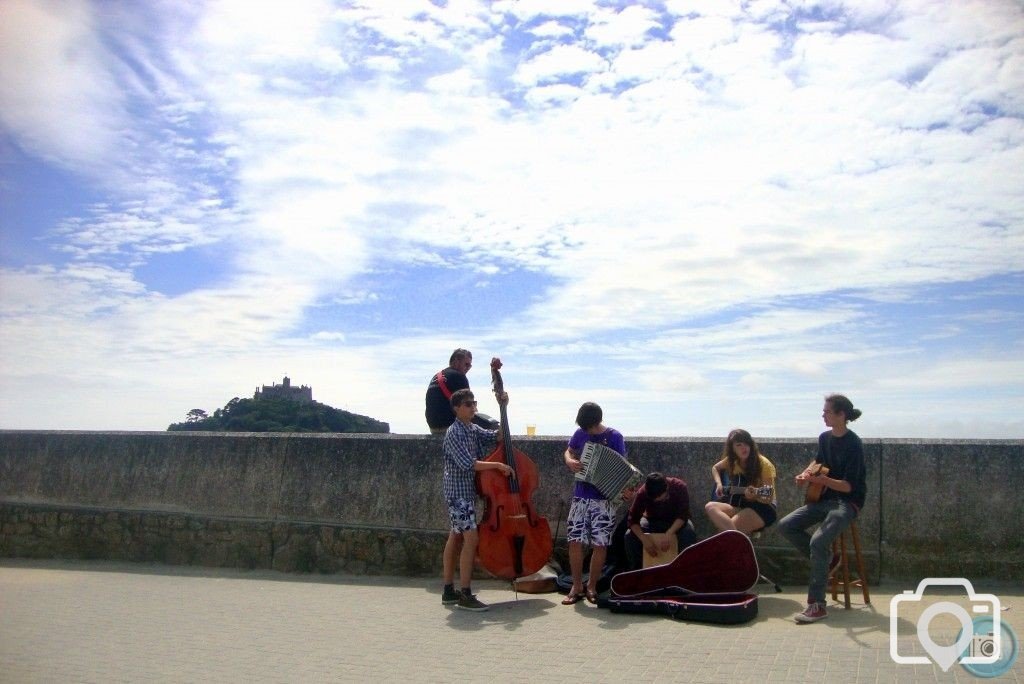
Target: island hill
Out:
[278,408]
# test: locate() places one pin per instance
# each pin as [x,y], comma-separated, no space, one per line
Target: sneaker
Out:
[450,597]
[470,602]
[833,564]
[813,613]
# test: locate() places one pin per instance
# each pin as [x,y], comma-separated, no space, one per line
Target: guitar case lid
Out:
[722,564]
[709,581]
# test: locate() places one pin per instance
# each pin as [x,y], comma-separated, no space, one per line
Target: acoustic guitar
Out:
[814,491]
[734,489]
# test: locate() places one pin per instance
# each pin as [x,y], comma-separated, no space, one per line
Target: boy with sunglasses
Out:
[464,447]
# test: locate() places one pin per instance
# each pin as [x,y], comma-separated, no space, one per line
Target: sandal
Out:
[591,596]
[571,599]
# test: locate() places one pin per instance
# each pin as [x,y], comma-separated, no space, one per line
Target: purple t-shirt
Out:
[610,438]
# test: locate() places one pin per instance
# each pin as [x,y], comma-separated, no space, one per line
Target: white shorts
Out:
[591,521]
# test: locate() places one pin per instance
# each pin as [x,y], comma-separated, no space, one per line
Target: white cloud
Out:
[551,29]
[559,62]
[265,33]
[559,94]
[980,373]
[529,10]
[326,336]
[57,94]
[627,27]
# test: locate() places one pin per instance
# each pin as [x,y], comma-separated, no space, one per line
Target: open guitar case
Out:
[710,581]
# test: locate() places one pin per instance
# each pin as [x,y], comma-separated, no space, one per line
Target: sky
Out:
[701,214]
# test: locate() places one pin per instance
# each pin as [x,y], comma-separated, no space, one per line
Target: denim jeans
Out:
[835,515]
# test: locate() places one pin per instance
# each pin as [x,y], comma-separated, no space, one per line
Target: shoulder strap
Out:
[443,384]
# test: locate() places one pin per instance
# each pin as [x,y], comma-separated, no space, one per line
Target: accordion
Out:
[608,471]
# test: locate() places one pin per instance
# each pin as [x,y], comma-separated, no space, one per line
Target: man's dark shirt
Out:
[844,457]
[439,412]
[661,514]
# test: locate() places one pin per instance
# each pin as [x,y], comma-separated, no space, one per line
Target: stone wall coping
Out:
[535,438]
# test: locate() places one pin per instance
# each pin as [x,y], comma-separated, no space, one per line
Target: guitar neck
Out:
[506,433]
[735,490]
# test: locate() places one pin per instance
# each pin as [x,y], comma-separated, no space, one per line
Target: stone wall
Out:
[39,531]
[371,503]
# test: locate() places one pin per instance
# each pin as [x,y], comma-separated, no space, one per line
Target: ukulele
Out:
[814,491]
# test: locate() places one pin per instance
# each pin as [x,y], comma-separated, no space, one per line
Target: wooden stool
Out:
[841,577]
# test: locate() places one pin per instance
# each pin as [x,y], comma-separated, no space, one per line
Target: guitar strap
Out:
[443,384]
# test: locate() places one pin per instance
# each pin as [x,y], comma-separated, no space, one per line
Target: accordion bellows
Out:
[607,470]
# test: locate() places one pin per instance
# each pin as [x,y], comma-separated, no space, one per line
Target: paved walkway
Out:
[107,622]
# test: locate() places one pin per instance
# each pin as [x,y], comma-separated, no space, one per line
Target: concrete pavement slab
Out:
[80,621]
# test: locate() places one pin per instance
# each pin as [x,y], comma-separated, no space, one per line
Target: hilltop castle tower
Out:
[303,395]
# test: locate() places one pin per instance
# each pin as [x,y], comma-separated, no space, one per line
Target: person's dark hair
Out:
[655,485]
[459,396]
[589,415]
[752,470]
[840,403]
[459,354]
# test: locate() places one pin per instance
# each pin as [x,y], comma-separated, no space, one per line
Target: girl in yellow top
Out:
[751,510]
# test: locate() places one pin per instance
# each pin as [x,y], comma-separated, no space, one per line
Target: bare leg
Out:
[747,521]
[467,557]
[576,567]
[452,547]
[721,515]
[596,565]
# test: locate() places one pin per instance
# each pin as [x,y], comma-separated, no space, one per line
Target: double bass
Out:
[514,540]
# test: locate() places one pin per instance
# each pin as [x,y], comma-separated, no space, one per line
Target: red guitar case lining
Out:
[710,581]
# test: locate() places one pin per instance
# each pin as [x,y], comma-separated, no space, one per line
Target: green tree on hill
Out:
[277,415]
[195,415]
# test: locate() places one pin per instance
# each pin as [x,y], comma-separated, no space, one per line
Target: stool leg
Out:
[862,576]
[754,536]
[845,565]
[841,580]
[833,581]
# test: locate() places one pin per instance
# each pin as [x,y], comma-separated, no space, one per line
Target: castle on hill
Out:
[302,395]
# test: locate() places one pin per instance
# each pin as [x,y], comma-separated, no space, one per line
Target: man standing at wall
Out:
[443,385]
